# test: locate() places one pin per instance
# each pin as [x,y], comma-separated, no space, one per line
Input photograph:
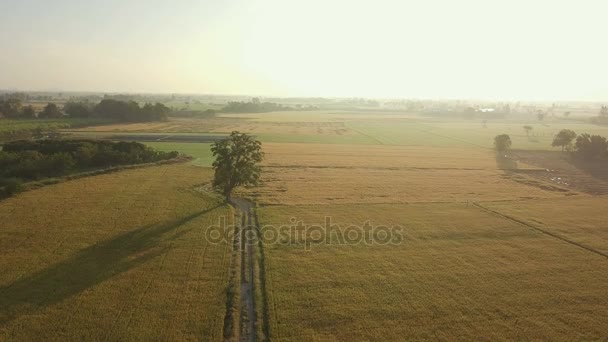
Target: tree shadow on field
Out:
[89,267]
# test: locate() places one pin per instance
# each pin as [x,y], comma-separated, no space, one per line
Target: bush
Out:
[10,186]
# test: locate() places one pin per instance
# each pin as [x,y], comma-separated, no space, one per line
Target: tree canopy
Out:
[564,139]
[502,142]
[237,159]
[50,111]
[591,146]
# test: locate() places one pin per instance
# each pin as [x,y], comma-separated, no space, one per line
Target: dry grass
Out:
[174,125]
[325,174]
[226,125]
[460,273]
[117,256]
[582,220]
[379,157]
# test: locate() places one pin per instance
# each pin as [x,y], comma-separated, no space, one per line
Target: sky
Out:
[472,49]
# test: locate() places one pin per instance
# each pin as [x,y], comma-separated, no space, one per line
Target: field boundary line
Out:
[364,134]
[543,231]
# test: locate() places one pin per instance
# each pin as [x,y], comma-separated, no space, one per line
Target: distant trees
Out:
[591,146]
[50,111]
[257,106]
[502,143]
[130,111]
[540,115]
[564,139]
[117,110]
[28,112]
[528,129]
[236,162]
[11,107]
[78,109]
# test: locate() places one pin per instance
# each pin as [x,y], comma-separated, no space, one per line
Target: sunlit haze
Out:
[487,49]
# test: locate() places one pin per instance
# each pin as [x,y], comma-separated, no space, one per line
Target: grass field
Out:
[114,257]
[489,251]
[459,273]
[326,174]
[365,127]
[201,152]
[584,223]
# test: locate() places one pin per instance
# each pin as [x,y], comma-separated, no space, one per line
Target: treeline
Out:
[256,106]
[584,146]
[26,160]
[602,118]
[111,109]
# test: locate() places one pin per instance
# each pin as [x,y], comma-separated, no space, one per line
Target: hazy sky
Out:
[505,49]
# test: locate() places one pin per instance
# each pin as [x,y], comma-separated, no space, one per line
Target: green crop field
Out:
[201,152]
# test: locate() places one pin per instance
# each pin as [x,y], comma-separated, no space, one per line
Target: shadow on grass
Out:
[597,168]
[89,267]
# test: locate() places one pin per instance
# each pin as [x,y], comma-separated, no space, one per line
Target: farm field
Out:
[585,221]
[487,250]
[201,152]
[459,273]
[120,256]
[365,127]
[326,174]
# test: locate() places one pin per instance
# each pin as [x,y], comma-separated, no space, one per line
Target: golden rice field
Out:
[583,219]
[327,174]
[487,251]
[460,273]
[120,256]
[226,125]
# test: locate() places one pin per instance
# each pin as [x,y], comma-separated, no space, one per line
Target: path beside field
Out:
[250,281]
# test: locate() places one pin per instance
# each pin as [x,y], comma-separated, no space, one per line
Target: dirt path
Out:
[247,305]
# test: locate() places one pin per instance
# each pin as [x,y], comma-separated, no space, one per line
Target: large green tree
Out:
[237,159]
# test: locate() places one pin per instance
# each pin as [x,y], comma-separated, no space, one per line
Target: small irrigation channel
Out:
[246,316]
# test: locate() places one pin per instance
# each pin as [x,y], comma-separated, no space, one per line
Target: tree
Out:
[50,111]
[502,143]
[11,107]
[237,159]
[540,115]
[528,128]
[564,139]
[78,109]
[28,112]
[566,114]
[591,146]
[604,111]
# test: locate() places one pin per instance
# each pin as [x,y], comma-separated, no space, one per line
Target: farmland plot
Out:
[117,256]
[458,273]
